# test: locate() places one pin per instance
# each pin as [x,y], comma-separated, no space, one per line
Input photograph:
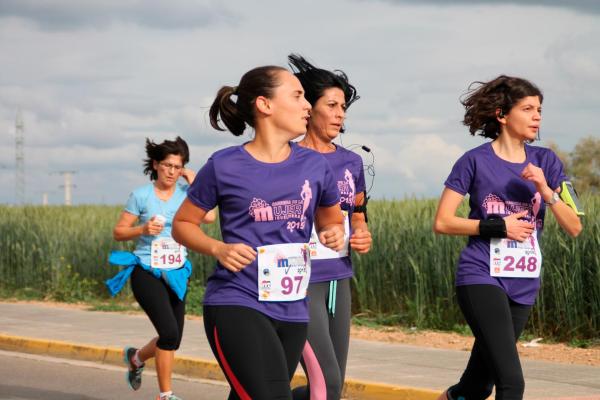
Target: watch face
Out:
[555,197]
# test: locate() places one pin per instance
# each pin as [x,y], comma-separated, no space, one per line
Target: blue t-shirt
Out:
[349,174]
[261,204]
[496,187]
[144,203]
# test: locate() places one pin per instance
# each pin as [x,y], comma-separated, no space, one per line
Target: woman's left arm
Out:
[565,215]
[189,176]
[360,240]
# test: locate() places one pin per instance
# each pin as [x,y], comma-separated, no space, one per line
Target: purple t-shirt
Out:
[261,204]
[495,186]
[348,172]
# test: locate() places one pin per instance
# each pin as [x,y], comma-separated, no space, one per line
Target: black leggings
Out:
[257,354]
[162,306]
[497,323]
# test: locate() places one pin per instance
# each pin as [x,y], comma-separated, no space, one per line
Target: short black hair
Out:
[316,80]
[158,152]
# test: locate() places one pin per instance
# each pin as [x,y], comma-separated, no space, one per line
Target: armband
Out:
[493,227]
[569,196]
[362,209]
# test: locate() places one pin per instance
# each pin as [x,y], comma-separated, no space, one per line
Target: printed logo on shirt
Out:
[347,189]
[494,204]
[290,210]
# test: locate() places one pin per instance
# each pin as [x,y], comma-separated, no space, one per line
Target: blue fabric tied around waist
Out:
[176,278]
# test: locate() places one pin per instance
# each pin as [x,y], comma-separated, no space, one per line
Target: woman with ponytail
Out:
[269,192]
[510,184]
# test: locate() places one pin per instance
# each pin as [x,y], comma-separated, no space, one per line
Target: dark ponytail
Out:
[260,81]
[483,99]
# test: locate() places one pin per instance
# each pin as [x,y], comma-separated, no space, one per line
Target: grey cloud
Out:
[584,6]
[100,92]
[73,14]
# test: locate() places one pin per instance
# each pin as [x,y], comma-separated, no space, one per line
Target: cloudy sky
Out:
[95,78]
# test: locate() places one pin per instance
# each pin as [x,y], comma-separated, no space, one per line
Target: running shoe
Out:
[134,374]
[446,396]
[169,397]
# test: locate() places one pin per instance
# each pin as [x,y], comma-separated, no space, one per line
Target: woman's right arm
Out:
[125,229]
[187,231]
[446,221]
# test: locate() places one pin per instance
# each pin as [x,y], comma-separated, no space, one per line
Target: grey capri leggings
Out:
[326,350]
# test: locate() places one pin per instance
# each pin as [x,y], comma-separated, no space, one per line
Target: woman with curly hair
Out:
[510,184]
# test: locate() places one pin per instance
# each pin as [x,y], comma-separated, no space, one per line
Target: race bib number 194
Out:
[167,254]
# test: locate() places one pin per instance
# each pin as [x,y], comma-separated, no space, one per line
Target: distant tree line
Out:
[582,164]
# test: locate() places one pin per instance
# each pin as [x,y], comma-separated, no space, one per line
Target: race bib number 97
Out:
[283,272]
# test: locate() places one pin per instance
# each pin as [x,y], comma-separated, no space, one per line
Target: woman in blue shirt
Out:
[158,267]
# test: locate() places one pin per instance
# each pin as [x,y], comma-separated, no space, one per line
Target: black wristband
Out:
[362,209]
[494,227]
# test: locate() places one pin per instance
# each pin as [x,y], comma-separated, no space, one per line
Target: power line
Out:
[68,185]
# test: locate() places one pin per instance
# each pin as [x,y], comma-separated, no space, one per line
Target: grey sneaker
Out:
[134,374]
[169,397]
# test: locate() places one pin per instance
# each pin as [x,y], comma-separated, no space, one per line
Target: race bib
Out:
[283,272]
[320,252]
[167,254]
[513,259]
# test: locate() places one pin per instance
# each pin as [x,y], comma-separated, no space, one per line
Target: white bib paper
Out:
[283,271]
[320,252]
[167,254]
[513,259]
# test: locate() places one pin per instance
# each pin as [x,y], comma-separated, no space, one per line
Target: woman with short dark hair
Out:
[158,267]
[326,349]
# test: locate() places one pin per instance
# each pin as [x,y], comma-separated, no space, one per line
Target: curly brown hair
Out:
[483,100]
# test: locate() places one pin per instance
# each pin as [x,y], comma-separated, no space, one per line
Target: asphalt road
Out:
[28,377]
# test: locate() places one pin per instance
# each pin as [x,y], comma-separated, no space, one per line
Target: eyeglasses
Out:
[168,166]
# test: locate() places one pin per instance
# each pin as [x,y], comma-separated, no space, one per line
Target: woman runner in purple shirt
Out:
[326,349]
[510,184]
[269,192]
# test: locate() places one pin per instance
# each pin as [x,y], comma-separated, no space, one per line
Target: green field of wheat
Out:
[408,278]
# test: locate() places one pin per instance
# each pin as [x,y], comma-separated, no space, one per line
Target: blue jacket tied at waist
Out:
[177,279]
